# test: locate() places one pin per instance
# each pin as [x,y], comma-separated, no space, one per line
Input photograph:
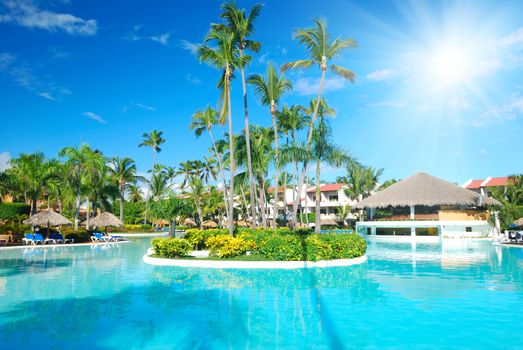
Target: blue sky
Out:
[439,87]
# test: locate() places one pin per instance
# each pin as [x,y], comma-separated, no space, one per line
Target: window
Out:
[468,229]
[333,198]
[323,211]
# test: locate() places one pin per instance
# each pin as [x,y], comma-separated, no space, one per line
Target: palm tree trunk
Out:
[276,164]
[311,126]
[200,215]
[262,202]
[121,204]
[88,214]
[248,146]
[232,160]
[33,206]
[222,174]
[77,209]
[317,218]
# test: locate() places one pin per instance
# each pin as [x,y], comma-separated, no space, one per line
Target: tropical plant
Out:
[226,57]
[241,24]
[321,50]
[270,89]
[123,171]
[154,140]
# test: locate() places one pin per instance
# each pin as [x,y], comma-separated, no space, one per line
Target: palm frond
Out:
[299,64]
[344,73]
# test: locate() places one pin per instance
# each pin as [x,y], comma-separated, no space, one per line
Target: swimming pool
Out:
[459,294]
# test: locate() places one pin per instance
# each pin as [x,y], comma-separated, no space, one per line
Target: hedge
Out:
[11,211]
[172,247]
[280,244]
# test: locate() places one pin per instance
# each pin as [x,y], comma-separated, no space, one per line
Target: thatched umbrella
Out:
[47,218]
[519,222]
[424,189]
[328,222]
[106,219]
[209,224]
[242,223]
[189,222]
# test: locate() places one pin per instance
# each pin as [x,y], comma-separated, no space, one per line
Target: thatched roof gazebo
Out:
[242,223]
[328,222]
[424,190]
[47,218]
[209,224]
[189,222]
[105,219]
[519,222]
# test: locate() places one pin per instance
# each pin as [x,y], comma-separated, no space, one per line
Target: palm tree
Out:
[270,90]
[204,121]
[262,157]
[224,56]
[34,172]
[154,140]
[321,49]
[196,193]
[324,151]
[170,173]
[135,194]
[123,170]
[292,120]
[242,26]
[78,165]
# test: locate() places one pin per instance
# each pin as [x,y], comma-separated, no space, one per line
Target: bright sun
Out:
[449,65]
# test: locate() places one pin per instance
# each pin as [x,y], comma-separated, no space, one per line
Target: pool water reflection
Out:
[455,294]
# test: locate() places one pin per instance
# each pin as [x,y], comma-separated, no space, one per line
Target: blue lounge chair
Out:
[100,237]
[29,239]
[59,238]
[39,238]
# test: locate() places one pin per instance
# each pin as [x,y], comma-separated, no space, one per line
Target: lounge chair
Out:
[39,238]
[59,238]
[100,237]
[4,239]
[29,238]
[512,237]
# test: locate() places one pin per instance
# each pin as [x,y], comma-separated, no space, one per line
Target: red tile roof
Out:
[497,181]
[474,184]
[327,188]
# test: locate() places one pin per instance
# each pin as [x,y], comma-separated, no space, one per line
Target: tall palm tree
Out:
[204,121]
[321,49]
[170,173]
[224,56]
[196,192]
[324,151]
[241,25]
[270,89]
[154,140]
[123,170]
[291,120]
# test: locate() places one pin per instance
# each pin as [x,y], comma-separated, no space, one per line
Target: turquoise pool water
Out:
[462,294]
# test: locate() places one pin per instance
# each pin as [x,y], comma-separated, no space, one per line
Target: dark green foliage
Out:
[80,236]
[172,247]
[12,211]
[132,212]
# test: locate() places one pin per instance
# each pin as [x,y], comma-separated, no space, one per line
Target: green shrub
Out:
[198,237]
[138,228]
[226,246]
[12,211]
[171,247]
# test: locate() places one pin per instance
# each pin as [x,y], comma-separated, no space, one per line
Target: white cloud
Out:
[26,14]
[144,106]
[505,112]
[380,75]
[514,38]
[95,117]
[482,152]
[193,80]
[459,103]
[263,58]
[23,75]
[5,159]
[189,46]
[387,104]
[160,38]
[310,86]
